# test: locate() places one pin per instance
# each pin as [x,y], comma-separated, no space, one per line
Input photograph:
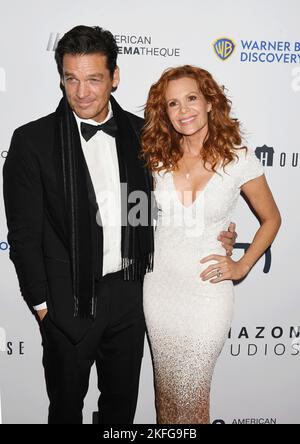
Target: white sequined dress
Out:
[188,320]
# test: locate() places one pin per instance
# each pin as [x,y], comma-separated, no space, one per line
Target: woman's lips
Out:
[187,120]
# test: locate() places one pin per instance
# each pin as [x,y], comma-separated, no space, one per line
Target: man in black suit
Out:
[79,258]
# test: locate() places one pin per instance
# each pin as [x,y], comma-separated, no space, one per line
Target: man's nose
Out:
[82,90]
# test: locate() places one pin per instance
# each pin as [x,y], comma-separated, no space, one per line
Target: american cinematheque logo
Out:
[130,45]
[259,51]
[248,421]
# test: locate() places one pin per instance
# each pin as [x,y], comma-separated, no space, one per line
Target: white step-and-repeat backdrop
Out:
[251,47]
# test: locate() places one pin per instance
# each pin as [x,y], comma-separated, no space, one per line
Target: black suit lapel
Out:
[127,138]
[90,189]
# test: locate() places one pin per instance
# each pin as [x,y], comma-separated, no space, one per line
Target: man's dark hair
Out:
[87,40]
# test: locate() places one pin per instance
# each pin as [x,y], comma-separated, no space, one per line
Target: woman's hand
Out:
[224,269]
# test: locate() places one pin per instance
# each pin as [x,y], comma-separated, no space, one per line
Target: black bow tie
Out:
[109,127]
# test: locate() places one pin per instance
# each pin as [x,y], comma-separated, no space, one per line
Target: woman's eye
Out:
[171,104]
[192,98]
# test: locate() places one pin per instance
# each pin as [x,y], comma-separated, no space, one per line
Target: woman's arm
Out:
[261,199]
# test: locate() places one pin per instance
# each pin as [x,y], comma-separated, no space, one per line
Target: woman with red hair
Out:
[194,149]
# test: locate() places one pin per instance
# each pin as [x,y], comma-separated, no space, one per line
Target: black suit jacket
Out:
[37,222]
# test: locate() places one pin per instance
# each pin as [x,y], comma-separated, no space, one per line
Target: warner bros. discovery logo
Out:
[224,48]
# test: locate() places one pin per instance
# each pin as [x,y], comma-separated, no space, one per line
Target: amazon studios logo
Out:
[267,156]
[259,51]
[264,341]
[131,44]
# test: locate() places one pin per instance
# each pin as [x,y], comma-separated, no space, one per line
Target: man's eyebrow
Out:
[68,74]
[98,75]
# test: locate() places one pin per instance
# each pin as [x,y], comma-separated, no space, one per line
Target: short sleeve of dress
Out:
[249,168]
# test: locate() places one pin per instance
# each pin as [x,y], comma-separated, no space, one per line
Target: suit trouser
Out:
[115,343]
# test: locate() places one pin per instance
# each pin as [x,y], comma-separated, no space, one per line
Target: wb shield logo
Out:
[224,48]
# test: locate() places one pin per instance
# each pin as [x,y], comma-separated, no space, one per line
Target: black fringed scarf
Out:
[137,241]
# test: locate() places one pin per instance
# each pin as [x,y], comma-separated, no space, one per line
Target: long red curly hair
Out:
[161,143]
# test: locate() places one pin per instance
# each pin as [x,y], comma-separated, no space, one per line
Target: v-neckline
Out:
[198,192]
